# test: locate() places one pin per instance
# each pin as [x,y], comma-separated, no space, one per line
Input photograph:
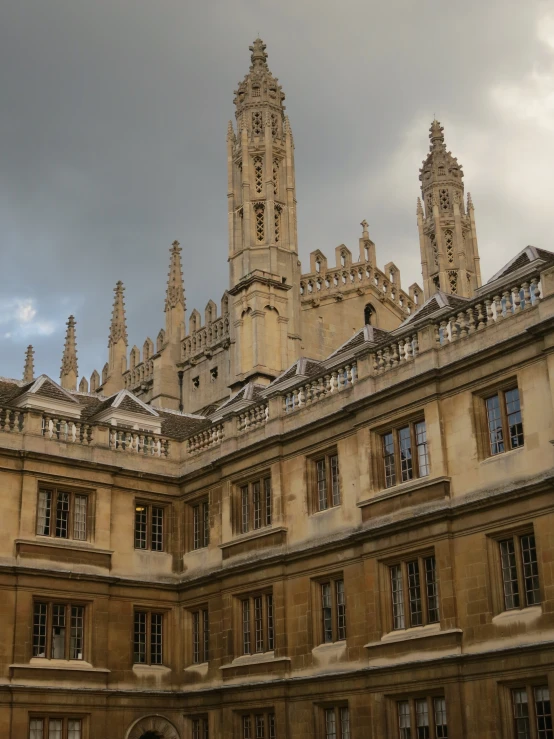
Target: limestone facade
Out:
[344,534]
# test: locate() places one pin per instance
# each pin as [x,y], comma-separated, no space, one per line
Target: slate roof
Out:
[436,302]
[179,427]
[527,256]
[10,389]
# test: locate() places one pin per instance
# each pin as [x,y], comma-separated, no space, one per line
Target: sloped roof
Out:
[10,389]
[526,256]
[249,392]
[366,335]
[438,301]
[304,367]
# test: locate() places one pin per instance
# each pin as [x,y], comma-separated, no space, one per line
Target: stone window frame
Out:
[202,608]
[312,461]
[251,715]
[266,598]
[150,611]
[73,491]
[377,441]
[149,505]
[322,709]
[65,718]
[480,397]
[496,580]
[528,683]
[68,604]
[238,507]
[317,595]
[430,696]
[202,504]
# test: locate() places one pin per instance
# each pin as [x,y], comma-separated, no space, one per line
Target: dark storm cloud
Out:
[113,118]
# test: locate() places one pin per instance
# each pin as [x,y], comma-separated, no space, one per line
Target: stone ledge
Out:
[430,638]
[256,664]
[399,497]
[259,539]
[69,552]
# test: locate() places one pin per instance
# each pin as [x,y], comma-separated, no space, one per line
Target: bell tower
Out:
[447,235]
[263,251]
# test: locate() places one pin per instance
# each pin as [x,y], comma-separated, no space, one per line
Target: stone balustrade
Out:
[400,350]
[205,439]
[491,309]
[206,337]
[139,442]
[253,418]
[11,420]
[143,372]
[313,390]
[63,429]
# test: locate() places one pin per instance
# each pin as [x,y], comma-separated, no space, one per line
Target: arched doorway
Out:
[152,727]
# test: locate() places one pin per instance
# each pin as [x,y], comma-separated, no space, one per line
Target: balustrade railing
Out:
[492,309]
[253,417]
[141,373]
[139,443]
[63,429]
[206,337]
[205,439]
[398,351]
[11,420]
[313,390]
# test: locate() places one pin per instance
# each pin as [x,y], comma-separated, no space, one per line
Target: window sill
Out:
[399,642]
[326,510]
[515,615]
[255,664]
[405,494]
[269,536]
[502,455]
[150,669]
[254,659]
[66,550]
[198,668]
[66,665]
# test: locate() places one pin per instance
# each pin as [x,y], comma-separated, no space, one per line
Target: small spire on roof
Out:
[69,371]
[259,55]
[469,202]
[419,209]
[175,293]
[436,132]
[29,369]
[365,225]
[118,327]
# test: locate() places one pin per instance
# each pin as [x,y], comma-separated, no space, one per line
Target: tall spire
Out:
[29,370]
[118,328]
[175,289]
[69,371]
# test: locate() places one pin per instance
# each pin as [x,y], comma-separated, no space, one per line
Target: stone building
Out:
[321,510]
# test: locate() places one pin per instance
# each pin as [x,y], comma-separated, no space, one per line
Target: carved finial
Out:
[469,202]
[118,328]
[230,131]
[436,132]
[69,371]
[365,225]
[175,290]
[419,210]
[29,369]
[259,56]
[83,385]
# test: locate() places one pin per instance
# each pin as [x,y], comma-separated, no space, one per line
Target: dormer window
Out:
[441,171]
[256,91]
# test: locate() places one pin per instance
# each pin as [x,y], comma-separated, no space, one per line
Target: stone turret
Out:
[447,235]
[69,370]
[112,379]
[175,304]
[29,369]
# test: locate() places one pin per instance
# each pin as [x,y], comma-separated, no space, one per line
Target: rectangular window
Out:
[531,712]
[504,422]
[200,728]
[55,728]
[200,525]
[333,611]
[405,454]
[422,718]
[62,514]
[51,636]
[257,612]
[255,506]
[520,573]
[200,635]
[148,638]
[149,527]
[327,480]
[258,726]
[406,579]
[337,722]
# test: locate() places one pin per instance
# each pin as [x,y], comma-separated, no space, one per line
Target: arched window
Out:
[369,312]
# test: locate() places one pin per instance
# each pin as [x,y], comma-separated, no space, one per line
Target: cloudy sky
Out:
[113,116]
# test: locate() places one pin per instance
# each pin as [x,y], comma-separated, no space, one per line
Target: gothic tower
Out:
[447,235]
[263,252]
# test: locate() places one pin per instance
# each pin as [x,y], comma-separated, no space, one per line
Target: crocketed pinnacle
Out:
[469,202]
[29,369]
[419,209]
[436,132]
[175,289]
[259,55]
[118,328]
[69,358]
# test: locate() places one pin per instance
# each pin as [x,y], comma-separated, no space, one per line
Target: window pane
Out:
[260,723]
[206,627]
[244,508]
[406,461]
[341,609]
[74,729]
[196,729]
[398,621]
[270,623]
[58,631]
[156,646]
[55,728]
[543,713]
[335,487]
[246,727]
[76,632]
[321,484]
[206,520]
[257,504]
[39,630]
[530,569]
[330,724]
[422,452]
[157,529]
[44,512]
[441,728]
[414,594]
[389,461]
[521,714]
[327,612]
[268,507]
[404,721]
[509,574]
[246,626]
[36,728]
[80,518]
[62,515]
[432,590]
[259,623]
[196,637]
[140,527]
[196,527]
[494,420]
[344,723]
[513,411]
[139,647]
[422,719]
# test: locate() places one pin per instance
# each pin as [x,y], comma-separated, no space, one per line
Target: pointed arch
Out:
[370,315]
